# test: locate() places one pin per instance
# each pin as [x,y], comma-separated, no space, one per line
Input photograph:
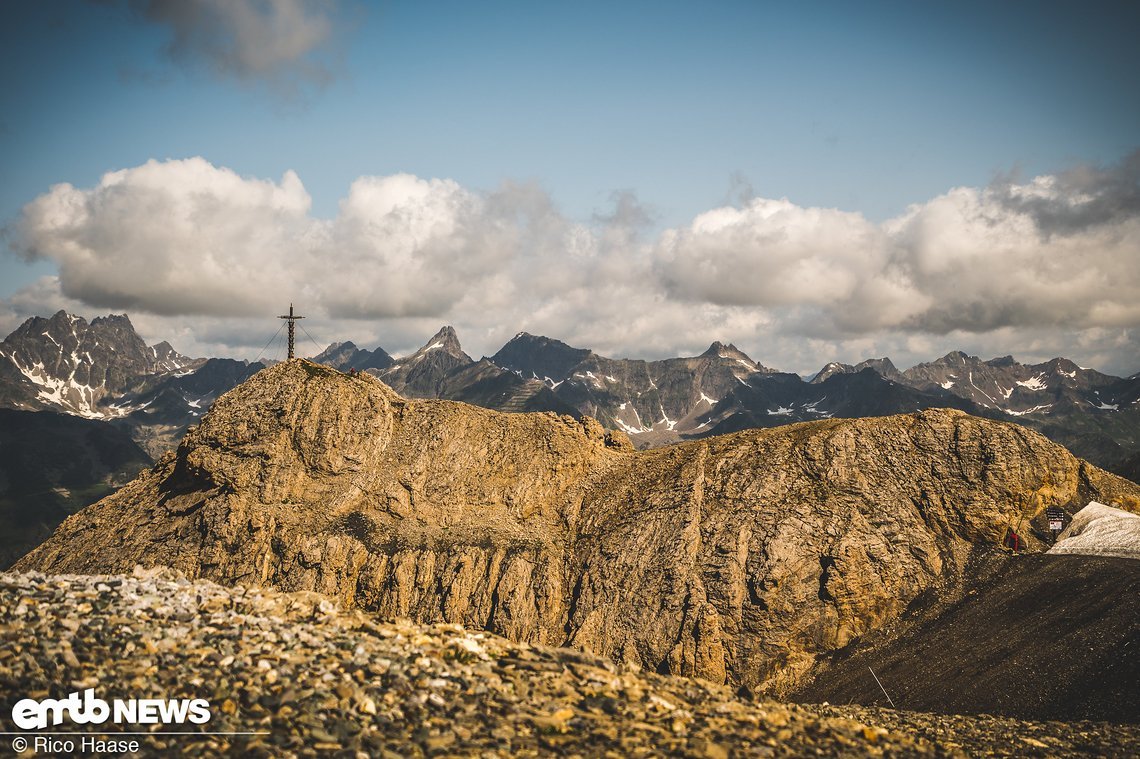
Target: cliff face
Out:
[759,550]
[737,559]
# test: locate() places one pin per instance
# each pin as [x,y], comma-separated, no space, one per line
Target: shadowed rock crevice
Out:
[826,564]
[738,559]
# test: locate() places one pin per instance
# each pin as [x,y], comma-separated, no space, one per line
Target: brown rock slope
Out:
[738,559]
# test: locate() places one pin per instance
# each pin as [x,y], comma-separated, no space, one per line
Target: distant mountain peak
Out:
[167,359]
[445,340]
[725,350]
[539,357]
[117,319]
[833,368]
[66,364]
[345,356]
[526,338]
[446,331]
[716,347]
[883,366]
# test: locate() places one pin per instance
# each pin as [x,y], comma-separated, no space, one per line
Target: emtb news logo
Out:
[30,714]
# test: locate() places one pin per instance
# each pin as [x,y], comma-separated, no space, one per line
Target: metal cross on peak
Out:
[292,329]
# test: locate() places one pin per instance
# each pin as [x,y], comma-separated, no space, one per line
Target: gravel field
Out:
[312,680]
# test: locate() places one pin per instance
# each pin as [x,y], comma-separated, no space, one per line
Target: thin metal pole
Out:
[884,690]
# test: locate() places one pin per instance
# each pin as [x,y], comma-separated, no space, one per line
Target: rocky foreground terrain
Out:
[740,559]
[311,679]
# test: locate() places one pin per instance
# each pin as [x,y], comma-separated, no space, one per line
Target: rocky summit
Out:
[739,559]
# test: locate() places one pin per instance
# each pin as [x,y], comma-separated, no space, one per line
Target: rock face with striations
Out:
[737,559]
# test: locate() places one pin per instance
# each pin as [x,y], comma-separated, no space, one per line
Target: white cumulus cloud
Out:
[173,238]
[1050,266]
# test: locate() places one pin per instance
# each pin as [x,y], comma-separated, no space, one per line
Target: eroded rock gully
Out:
[737,559]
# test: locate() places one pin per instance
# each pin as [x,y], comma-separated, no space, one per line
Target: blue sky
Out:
[867,108]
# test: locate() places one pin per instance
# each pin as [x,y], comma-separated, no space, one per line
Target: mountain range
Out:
[1095,415]
[106,374]
[104,371]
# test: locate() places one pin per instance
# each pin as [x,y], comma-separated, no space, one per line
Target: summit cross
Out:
[292,328]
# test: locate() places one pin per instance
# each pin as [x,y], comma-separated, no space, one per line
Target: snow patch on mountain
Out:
[983,392]
[630,429]
[1033,410]
[813,408]
[1101,530]
[73,397]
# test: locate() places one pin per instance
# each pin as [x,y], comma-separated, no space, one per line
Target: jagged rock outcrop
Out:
[737,559]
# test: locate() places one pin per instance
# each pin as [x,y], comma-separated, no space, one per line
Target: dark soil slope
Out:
[51,466]
[1031,636]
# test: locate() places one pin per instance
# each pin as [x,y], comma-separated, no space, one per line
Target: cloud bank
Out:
[1036,268]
